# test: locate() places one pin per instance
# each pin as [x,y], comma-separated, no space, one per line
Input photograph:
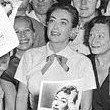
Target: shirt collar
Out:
[32,14]
[49,51]
[35,16]
[65,52]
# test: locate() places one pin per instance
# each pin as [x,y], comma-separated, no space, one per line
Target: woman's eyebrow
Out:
[52,17]
[64,19]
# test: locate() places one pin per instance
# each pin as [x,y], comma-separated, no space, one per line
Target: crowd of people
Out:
[59,40]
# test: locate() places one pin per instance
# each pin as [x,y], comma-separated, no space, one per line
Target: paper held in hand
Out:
[8,37]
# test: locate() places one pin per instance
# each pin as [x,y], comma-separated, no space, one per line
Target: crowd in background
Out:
[59,40]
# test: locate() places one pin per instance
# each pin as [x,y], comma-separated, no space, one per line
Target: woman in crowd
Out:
[97,37]
[56,61]
[66,99]
[25,32]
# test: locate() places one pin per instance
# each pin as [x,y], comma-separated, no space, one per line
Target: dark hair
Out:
[72,10]
[90,25]
[68,90]
[27,19]
[103,5]
[65,1]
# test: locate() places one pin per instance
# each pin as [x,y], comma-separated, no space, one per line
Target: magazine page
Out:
[8,37]
[11,7]
[59,95]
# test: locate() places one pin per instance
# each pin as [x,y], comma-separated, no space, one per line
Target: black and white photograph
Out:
[54,54]
[60,95]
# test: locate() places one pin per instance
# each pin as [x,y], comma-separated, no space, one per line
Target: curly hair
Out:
[68,90]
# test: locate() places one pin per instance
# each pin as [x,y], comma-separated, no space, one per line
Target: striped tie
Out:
[61,59]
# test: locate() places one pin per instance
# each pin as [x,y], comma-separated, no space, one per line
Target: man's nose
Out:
[22,34]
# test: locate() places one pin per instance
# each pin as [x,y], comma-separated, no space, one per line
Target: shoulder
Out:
[35,53]
[79,57]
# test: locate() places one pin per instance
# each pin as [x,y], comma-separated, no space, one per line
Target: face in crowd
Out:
[99,39]
[25,33]
[41,6]
[62,100]
[86,8]
[59,26]
[61,23]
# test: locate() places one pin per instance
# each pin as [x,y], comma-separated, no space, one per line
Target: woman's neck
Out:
[104,59]
[57,47]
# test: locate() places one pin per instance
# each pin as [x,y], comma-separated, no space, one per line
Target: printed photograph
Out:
[60,95]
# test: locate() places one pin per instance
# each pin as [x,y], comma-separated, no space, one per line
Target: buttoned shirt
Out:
[29,69]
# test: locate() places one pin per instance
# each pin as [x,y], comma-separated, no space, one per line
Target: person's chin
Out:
[23,48]
[84,15]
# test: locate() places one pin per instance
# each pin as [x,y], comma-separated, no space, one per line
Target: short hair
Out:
[27,19]
[90,25]
[103,5]
[68,90]
[65,1]
[72,10]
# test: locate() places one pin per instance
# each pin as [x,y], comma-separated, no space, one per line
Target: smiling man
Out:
[87,10]
[26,35]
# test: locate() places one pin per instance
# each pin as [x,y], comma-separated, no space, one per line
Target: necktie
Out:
[61,59]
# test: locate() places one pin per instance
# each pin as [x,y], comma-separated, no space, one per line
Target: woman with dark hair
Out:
[97,37]
[56,61]
[103,5]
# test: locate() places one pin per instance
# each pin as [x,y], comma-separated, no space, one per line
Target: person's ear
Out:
[98,4]
[73,33]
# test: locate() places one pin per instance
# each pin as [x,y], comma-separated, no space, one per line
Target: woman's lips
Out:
[95,47]
[24,41]
[54,108]
[85,8]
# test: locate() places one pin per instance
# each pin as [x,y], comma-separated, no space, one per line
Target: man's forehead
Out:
[21,22]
